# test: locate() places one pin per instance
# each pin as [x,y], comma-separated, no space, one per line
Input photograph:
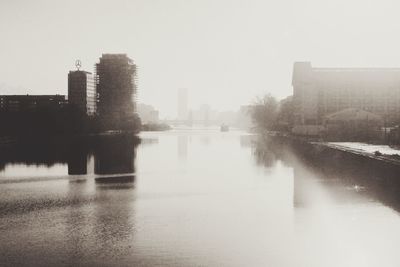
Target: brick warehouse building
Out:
[318,92]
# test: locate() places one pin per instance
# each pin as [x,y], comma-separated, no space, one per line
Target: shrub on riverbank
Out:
[155,127]
[270,115]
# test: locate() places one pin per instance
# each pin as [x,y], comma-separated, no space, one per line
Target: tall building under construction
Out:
[116,89]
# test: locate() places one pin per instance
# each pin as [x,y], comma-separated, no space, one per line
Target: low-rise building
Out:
[31,103]
[353,125]
[147,113]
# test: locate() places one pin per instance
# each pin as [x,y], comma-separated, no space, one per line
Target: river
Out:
[191,198]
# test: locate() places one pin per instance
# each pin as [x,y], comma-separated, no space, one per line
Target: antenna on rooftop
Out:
[78,64]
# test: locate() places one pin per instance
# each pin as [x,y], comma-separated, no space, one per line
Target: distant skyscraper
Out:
[183,104]
[115,76]
[82,91]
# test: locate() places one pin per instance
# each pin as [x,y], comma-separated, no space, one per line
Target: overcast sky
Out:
[225,52]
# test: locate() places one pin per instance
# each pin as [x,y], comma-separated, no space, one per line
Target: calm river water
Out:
[190,198]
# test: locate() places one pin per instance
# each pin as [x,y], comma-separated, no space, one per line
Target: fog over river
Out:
[192,198]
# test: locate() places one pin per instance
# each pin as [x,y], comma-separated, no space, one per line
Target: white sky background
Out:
[225,52]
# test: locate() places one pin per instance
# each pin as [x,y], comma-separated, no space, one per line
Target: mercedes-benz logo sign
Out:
[78,64]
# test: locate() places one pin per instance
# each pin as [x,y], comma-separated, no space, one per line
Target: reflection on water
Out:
[77,161]
[183,146]
[115,156]
[116,182]
[111,154]
[234,200]
[343,173]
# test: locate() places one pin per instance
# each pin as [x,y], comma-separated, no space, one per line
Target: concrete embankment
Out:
[327,155]
[387,158]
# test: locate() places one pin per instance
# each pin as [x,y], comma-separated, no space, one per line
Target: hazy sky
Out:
[224,51]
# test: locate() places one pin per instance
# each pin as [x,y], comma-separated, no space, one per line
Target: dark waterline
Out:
[193,198]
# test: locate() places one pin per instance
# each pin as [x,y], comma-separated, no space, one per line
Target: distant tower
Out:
[116,87]
[183,104]
[82,91]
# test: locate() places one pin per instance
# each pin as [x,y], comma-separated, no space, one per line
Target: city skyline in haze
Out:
[225,52]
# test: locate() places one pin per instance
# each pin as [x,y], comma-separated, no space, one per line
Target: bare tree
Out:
[264,112]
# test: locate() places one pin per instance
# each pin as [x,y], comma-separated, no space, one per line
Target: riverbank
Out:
[377,152]
[151,127]
[336,154]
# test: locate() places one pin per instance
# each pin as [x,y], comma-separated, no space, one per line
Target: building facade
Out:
[147,113]
[116,86]
[318,92]
[31,103]
[82,92]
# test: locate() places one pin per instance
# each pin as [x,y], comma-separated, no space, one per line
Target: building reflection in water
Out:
[115,156]
[112,160]
[77,161]
[34,153]
[346,179]
[182,146]
[104,155]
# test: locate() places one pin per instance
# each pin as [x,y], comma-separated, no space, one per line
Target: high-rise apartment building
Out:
[116,87]
[82,92]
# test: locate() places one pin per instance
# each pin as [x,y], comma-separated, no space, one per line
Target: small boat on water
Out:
[224,128]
